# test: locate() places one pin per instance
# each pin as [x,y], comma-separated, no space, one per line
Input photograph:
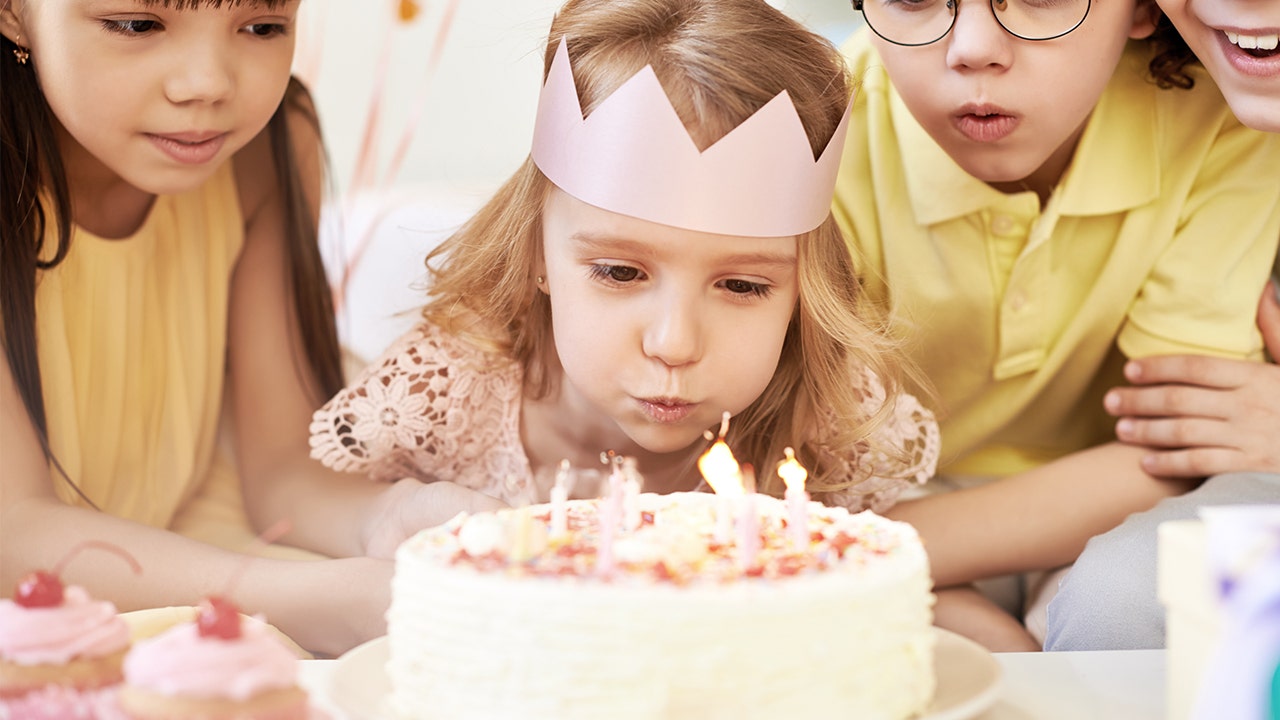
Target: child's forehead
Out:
[579,227]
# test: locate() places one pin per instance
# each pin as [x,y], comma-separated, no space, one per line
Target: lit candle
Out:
[794,475]
[630,494]
[720,469]
[560,501]
[748,522]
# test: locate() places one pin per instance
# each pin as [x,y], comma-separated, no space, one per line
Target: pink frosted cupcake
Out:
[60,650]
[220,667]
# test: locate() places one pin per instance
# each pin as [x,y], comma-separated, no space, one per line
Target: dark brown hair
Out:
[1168,67]
[32,169]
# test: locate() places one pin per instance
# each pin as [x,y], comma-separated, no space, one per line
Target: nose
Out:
[977,41]
[674,333]
[201,73]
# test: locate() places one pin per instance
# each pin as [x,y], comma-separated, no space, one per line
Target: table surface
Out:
[1119,685]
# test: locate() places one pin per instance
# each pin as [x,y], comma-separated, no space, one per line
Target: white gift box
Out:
[1193,621]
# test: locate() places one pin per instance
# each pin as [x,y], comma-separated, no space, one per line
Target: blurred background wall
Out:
[479,100]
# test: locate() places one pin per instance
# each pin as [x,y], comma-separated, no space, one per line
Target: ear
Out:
[11,25]
[1146,15]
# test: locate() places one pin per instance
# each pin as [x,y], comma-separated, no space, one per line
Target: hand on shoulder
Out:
[1205,416]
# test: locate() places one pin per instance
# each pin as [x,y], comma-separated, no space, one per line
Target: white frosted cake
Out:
[492,618]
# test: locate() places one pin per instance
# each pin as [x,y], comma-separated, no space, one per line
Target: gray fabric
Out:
[1108,600]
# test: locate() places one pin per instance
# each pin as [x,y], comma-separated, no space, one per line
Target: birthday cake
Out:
[548,612]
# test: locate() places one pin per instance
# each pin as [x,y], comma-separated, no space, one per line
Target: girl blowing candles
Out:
[161,176]
[667,259]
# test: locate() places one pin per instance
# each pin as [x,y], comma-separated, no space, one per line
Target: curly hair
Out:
[1172,55]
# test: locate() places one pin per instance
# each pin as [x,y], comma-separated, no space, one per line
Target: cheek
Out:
[752,351]
[260,95]
[582,336]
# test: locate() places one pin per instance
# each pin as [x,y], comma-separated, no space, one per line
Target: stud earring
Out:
[539,280]
[20,53]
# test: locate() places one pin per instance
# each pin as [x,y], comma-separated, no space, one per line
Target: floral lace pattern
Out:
[904,452]
[434,407]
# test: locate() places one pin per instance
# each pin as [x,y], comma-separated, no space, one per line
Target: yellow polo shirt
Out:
[1158,240]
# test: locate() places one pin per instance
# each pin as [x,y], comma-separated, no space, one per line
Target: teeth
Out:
[1254,42]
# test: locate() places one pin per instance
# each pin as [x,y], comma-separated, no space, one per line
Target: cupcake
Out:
[221,666]
[60,650]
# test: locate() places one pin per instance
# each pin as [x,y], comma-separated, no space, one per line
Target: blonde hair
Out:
[719,61]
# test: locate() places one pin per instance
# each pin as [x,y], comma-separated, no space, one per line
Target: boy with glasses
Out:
[1033,210]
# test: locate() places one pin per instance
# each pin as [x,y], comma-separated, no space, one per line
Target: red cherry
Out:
[39,589]
[218,618]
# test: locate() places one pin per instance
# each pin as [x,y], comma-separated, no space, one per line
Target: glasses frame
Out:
[954,6]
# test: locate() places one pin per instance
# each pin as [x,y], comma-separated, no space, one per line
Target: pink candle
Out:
[794,475]
[610,521]
[630,494]
[748,524]
[560,502]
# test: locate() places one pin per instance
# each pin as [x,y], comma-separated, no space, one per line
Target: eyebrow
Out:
[596,242]
[195,4]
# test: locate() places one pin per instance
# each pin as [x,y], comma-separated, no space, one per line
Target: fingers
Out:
[1176,433]
[1200,370]
[1269,318]
[1193,462]
[1168,400]
[479,502]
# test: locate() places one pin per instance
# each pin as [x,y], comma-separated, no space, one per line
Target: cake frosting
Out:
[224,666]
[179,662]
[504,615]
[80,627]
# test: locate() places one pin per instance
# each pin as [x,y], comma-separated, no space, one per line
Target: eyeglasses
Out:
[921,22]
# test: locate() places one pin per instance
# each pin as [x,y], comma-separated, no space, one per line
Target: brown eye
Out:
[622,273]
[746,287]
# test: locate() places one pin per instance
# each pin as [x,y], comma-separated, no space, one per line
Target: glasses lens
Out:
[910,22]
[1040,19]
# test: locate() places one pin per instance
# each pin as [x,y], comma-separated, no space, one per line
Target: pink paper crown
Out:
[634,156]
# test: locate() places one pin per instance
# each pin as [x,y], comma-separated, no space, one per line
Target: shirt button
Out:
[1001,224]
[1017,301]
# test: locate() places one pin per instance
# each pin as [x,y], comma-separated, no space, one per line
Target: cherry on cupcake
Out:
[44,589]
[218,617]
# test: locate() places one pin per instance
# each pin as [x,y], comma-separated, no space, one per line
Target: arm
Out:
[273,395]
[1039,519]
[1198,415]
[39,530]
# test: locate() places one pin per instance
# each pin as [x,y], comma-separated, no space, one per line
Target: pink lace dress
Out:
[435,407]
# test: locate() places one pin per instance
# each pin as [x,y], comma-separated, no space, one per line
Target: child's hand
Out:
[410,505]
[1205,416]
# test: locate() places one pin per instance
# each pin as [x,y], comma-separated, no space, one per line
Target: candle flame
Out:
[408,10]
[792,472]
[720,469]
